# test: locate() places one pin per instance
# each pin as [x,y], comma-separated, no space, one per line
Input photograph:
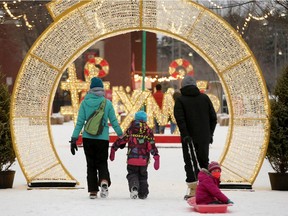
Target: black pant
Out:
[96,152]
[137,177]
[202,155]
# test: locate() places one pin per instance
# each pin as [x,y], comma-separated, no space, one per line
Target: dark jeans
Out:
[172,127]
[137,177]
[191,167]
[96,152]
[158,129]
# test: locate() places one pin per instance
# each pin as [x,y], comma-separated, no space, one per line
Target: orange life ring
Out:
[97,66]
[180,68]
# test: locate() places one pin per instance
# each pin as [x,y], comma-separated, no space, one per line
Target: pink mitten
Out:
[156,162]
[112,154]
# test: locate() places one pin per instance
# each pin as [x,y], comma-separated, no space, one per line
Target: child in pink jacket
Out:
[207,191]
[141,144]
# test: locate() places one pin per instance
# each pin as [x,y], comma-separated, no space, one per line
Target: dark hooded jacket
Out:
[195,114]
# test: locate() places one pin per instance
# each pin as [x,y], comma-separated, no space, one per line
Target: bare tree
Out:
[29,18]
[263,25]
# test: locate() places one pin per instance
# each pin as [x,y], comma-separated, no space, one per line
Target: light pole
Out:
[275,55]
[143,59]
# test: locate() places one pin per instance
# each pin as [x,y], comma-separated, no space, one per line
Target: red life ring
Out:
[98,66]
[180,68]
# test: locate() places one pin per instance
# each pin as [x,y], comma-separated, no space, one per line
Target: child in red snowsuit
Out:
[207,191]
[141,144]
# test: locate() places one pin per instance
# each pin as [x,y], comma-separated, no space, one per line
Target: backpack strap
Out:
[103,104]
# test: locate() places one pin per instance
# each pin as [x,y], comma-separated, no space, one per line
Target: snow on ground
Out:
[167,187]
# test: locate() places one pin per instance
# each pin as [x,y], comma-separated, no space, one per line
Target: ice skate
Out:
[191,190]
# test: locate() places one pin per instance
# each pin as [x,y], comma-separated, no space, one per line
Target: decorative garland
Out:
[186,68]
[97,66]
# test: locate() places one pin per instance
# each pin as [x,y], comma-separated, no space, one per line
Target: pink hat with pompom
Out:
[214,165]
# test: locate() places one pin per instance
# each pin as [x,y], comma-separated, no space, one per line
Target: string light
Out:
[26,22]
[17,17]
[138,78]
[9,12]
[250,17]
[215,5]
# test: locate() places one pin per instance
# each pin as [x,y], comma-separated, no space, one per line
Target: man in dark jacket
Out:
[196,120]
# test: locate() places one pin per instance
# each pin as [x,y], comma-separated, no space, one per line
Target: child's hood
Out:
[139,127]
[204,174]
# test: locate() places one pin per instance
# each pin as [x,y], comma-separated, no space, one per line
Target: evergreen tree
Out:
[277,152]
[7,154]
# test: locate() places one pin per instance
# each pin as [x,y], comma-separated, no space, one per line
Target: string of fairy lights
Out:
[8,11]
[215,5]
[10,8]
[138,78]
[242,29]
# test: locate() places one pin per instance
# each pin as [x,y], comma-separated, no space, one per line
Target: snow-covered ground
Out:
[167,187]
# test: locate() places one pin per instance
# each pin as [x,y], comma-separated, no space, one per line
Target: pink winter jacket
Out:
[208,189]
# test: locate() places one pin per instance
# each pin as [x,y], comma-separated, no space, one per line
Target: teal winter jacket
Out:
[90,103]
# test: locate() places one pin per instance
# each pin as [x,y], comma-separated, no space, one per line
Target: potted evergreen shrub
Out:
[7,154]
[277,152]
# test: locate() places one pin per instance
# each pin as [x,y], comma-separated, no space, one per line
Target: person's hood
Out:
[139,127]
[190,90]
[92,100]
[203,174]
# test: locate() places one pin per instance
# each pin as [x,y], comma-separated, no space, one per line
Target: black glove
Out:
[187,139]
[211,140]
[73,145]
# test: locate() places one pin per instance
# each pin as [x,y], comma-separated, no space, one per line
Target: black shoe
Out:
[93,195]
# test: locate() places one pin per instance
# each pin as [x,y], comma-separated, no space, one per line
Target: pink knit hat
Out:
[214,165]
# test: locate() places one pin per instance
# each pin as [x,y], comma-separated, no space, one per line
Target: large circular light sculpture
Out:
[79,24]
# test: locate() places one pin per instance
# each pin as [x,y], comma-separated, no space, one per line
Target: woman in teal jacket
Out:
[96,146]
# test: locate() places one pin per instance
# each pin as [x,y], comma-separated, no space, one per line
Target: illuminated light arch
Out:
[79,24]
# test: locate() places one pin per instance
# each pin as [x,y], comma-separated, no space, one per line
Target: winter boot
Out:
[144,196]
[104,189]
[93,195]
[134,193]
[191,190]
